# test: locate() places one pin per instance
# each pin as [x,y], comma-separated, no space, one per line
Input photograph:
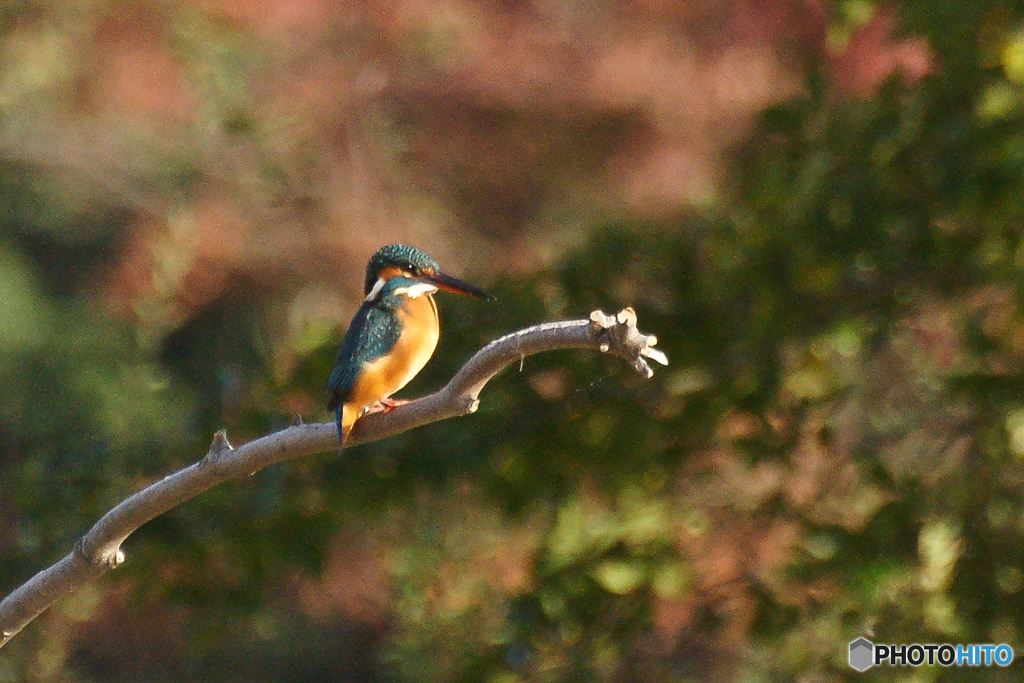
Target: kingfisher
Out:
[392,335]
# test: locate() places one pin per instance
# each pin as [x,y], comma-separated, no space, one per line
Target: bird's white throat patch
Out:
[416,290]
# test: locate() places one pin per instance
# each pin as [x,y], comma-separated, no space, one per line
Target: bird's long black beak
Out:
[454,284]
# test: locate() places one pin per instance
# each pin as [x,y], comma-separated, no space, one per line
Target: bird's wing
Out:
[371,334]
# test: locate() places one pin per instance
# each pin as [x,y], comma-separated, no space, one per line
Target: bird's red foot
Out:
[385,405]
[392,403]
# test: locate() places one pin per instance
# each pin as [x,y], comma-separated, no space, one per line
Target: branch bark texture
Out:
[100,549]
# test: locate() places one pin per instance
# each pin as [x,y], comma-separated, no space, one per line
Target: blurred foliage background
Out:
[816,206]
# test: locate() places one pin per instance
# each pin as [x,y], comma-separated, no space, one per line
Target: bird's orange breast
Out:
[384,376]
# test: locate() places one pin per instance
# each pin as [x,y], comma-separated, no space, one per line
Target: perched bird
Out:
[392,335]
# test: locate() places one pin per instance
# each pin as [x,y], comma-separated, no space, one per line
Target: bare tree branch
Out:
[100,548]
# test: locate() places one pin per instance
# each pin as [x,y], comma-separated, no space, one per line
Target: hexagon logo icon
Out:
[862,654]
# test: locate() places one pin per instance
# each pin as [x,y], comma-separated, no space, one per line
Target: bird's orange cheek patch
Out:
[389,272]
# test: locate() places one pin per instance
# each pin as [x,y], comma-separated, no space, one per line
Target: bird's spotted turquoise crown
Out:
[405,257]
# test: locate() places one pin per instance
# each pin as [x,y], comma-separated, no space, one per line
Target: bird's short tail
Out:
[341,433]
[345,417]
